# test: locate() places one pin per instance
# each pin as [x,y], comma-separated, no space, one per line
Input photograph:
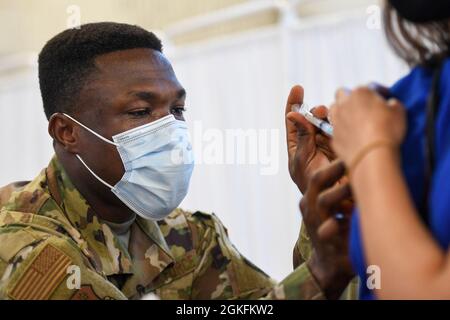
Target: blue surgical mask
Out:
[158,162]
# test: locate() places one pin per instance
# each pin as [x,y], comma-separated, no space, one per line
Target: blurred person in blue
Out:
[393,147]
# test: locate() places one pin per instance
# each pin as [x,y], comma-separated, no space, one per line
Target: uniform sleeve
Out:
[224,273]
[40,266]
[302,248]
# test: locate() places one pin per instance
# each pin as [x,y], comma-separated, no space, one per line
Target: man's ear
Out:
[64,132]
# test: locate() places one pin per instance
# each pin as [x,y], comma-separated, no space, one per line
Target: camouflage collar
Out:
[106,249]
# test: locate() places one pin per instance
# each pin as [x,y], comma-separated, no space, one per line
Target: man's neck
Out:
[101,200]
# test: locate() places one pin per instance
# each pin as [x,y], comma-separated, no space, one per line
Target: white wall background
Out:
[25,145]
[239,82]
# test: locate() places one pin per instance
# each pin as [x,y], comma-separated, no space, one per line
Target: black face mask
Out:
[421,11]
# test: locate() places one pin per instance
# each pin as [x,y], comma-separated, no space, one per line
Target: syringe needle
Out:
[319,123]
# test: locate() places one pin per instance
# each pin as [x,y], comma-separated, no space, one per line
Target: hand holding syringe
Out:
[327,128]
[324,126]
[319,123]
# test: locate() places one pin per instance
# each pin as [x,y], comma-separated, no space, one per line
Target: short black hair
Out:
[67,60]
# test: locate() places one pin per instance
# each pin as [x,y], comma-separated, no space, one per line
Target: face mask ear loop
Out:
[93,173]
[91,131]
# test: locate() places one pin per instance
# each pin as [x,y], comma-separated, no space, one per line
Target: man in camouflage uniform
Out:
[48,226]
[65,236]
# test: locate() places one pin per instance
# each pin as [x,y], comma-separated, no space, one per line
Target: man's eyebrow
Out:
[145,95]
[150,96]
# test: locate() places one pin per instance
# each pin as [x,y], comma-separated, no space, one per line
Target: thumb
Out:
[300,135]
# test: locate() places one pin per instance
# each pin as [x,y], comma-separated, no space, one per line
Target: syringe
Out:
[319,123]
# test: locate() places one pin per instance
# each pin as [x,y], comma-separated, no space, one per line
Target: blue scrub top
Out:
[414,90]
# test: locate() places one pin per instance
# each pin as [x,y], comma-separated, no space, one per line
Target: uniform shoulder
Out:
[36,265]
[30,256]
[8,190]
[221,262]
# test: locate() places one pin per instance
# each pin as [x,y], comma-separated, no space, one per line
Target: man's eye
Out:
[178,111]
[140,112]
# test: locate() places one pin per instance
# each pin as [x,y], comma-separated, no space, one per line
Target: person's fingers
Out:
[328,229]
[397,108]
[346,207]
[327,177]
[295,97]
[332,112]
[399,117]
[320,112]
[323,143]
[380,89]
[300,136]
[331,228]
[302,125]
[396,105]
[330,200]
[341,95]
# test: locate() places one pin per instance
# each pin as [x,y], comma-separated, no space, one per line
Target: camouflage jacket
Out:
[53,246]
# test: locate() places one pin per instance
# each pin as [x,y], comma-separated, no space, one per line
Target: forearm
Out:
[302,248]
[412,265]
